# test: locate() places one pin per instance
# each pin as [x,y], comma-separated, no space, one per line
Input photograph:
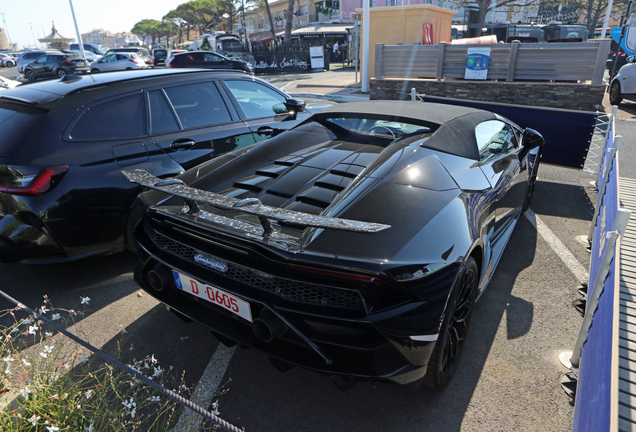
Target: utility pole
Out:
[7,30]
[79,36]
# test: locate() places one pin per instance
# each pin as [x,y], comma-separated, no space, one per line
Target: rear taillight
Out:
[133,60]
[68,62]
[170,66]
[37,184]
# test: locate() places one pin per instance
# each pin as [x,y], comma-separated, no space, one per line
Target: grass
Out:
[49,383]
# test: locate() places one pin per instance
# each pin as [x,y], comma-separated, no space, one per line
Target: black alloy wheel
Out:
[61,73]
[615,93]
[29,75]
[452,338]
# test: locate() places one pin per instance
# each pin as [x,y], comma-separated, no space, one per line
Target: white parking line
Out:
[557,246]
[205,390]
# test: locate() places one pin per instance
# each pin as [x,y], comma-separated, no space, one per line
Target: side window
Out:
[161,117]
[494,138]
[119,118]
[119,57]
[40,60]
[209,57]
[108,58]
[256,99]
[198,104]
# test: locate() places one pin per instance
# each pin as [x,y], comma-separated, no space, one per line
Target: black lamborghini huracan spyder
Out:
[354,244]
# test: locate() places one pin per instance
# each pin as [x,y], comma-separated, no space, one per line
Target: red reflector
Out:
[328,273]
[46,180]
[68,62]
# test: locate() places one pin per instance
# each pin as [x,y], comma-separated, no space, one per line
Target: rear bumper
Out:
[341,341]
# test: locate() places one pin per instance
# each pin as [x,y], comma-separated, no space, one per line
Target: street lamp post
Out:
[79,36]
[34,42]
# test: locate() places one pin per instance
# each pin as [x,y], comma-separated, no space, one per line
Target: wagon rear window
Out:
[117,118]
[16,123]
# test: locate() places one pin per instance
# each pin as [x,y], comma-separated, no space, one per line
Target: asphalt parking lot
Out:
[509,377]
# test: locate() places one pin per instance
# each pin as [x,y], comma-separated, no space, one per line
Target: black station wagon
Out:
[62,196]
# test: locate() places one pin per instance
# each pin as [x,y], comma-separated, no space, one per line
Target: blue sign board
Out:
[477,63]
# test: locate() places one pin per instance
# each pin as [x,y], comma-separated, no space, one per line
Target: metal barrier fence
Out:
[570,62]
[594,360]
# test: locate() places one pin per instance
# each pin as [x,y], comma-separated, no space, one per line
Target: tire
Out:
[95,70]
[615,96]
[128,68]
[10,64]
[61,73]
[531,183]
[452,337]
[29,75]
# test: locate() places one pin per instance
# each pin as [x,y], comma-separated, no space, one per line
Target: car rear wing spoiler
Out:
[251,206]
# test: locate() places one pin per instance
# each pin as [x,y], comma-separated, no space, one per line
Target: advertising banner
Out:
[477,63]
[317,55]
[277,62]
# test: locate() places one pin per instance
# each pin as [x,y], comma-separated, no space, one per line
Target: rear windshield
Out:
[380,128]
[16,123]
[160,52]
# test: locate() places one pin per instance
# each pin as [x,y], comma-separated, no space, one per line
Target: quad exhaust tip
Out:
[268,326]
[160,277]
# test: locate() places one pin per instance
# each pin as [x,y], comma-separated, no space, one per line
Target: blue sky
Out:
[112,15]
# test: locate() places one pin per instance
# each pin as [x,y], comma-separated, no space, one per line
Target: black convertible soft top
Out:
[456,131]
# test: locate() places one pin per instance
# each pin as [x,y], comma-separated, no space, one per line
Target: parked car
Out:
[92,48]
[354,244]
[172,53]
[62,196]
[159,56]
[55,64]
[6,60]
[118,62]
[138,50]
[207,60]
[623,85]
[27,57]
[90,56]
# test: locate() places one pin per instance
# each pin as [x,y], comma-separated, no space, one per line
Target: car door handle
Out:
[265,131]
[181,145]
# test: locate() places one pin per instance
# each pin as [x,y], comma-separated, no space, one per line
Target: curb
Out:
[334,98]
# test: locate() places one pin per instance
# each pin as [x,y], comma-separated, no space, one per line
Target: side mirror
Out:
[630,59]
[295,106]
[532,139]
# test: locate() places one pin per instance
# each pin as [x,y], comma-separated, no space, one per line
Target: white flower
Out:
[89,428]
[32,329]
[48,348]
[157,372]
[215,406]
[43,310]
[52,428]
[27,321]
[44,355]
[7,359]
[25,391]
[7,371]
[48,334]
[129,404]
[153,399]
[88,393]
[56,316]
[132,413]
[153,359]
[34,419]
[85,300]
[83,359]
[25,362]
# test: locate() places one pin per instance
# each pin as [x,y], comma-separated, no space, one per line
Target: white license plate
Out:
[213,295]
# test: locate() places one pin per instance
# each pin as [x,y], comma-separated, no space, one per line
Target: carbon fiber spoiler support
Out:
[251,206]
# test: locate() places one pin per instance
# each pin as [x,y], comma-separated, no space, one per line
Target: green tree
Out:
[288,22]
[147,28]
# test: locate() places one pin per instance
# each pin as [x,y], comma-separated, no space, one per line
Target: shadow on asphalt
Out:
[572,202]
